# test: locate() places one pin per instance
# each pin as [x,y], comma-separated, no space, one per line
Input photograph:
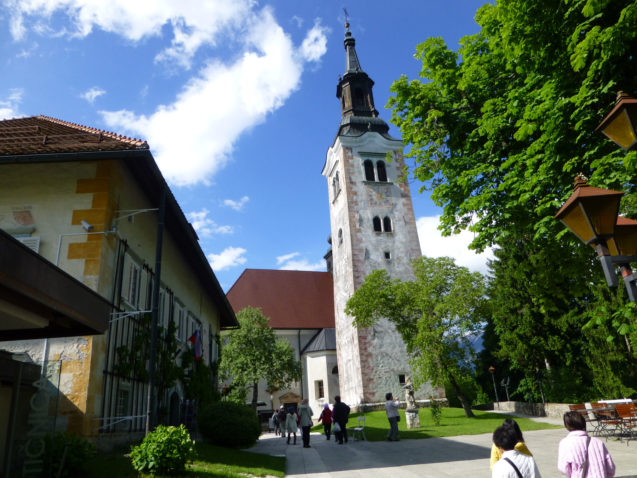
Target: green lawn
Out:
[453,423]
[212,461]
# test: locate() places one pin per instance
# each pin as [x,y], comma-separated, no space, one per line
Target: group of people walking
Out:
[287,422]
[579,455]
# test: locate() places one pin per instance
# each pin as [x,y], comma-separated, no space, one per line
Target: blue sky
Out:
[236,99]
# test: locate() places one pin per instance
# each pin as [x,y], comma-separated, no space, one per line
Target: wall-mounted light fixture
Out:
[87,226]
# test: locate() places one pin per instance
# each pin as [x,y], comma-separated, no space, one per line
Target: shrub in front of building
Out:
[67,454]
[228,424]
[165,450]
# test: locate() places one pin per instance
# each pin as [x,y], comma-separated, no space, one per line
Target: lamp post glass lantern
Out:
[619,125]
[592,215]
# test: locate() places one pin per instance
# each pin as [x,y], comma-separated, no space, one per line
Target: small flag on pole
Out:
[195,339]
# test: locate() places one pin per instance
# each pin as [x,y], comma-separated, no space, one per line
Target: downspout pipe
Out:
[298,339]
[151,406]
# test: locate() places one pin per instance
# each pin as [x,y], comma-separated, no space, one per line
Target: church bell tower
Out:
[373,227]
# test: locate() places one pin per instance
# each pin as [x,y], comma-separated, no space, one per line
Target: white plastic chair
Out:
[359,431]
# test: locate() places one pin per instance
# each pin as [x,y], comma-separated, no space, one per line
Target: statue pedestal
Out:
[411,416]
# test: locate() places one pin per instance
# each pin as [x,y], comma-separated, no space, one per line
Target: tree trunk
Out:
[465,403]
[255,396]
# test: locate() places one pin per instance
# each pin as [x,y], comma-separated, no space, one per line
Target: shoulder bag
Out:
[514,467]
[585,465]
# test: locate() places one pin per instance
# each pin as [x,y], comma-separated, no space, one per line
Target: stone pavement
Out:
[461,456]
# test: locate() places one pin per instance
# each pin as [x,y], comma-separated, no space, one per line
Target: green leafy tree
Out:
[252,352]
[437,314]
[499,128]
[538,293]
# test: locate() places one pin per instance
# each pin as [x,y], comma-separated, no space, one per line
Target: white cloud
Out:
[194,23]
[189,143]
[236,205]
[303,265]
[314,45]
[9,108]
[288,264]
[205,226]
[229,257]
[92,94]
[433,244]
[286,257]
[298,20]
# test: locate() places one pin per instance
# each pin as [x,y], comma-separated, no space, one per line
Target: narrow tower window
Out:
[336,185]
[382,172]
[340,236]
[387,224]
[377,226]
[369,170]
[359,98]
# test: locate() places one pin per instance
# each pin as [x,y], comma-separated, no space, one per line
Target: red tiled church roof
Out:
[290,299]
[42,135]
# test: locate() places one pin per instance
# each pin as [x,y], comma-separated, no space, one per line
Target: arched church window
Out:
[340,236]
[336,185]
[382,172]
[359,98]
[335,370]
[369,170]
[377,226]
[386,224]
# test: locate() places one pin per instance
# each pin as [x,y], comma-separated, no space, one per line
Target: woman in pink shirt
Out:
[580,455]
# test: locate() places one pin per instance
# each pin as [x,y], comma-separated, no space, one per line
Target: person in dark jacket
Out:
[340,415]
[282,418]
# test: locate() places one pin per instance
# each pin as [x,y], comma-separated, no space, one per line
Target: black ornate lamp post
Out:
[592,213]
[492,372]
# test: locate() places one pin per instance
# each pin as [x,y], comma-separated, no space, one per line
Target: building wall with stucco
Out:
[320,368]
[50,201]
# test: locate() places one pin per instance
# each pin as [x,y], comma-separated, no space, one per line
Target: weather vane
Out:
[346,15]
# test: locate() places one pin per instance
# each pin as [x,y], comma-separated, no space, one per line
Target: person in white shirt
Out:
[391,408]
[513,464]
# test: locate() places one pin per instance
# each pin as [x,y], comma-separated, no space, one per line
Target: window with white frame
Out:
[214,348]
[122,407]
[193,324]
[318,389]
[132,291]
[146,288]
[179,318]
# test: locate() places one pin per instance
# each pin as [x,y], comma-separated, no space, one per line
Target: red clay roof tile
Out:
[290,299]
[42,135]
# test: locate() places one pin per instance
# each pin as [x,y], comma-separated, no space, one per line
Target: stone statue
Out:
[411,410]
[409,395]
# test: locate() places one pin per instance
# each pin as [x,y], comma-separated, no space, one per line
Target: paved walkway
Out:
[462,456]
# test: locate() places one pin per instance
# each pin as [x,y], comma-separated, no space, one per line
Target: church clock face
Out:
[379,196]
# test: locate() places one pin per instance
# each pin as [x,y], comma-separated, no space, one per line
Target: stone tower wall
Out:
[370,360]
